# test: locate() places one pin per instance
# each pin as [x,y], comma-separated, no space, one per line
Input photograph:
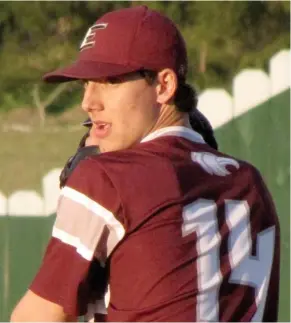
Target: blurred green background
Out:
[223,37]
[40,124]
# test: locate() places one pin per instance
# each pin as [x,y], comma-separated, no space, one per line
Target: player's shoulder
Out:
[246,173]
[103,176]
[140,157]
[227,168]
[136,172]
[90,183]
[219,163]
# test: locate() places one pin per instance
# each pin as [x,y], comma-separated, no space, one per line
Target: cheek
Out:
[147,109]
[144,104]
[133,110]
[121,121]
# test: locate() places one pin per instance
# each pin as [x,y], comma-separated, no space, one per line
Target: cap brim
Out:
[88,70]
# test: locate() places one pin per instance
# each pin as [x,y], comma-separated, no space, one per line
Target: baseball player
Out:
[88,146]
[179,230]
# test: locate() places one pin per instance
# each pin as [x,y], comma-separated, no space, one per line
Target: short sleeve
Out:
[85,232]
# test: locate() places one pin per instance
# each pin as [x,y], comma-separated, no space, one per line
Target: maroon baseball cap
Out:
[125,41]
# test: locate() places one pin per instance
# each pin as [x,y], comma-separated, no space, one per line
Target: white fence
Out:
[250,88]
[30,203]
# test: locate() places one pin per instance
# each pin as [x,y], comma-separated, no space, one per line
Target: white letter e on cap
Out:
[88,40]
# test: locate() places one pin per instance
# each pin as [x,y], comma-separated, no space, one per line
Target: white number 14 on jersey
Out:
[201,217]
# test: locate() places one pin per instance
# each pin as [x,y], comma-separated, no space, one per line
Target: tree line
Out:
[222,37]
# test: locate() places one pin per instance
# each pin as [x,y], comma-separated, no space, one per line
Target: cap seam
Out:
[134,36]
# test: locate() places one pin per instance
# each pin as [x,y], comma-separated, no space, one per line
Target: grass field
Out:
[25,157]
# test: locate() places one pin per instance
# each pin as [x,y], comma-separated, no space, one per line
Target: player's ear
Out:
[167,84]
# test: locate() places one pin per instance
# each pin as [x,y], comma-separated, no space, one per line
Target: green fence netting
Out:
[262,137]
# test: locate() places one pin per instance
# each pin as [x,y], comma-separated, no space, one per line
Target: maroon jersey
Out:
[189,234]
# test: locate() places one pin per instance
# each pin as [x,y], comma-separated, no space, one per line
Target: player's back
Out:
[201,239]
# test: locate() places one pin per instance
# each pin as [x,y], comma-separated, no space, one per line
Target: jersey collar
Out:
[177,131]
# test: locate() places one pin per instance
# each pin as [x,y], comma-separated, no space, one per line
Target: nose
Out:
[91,100]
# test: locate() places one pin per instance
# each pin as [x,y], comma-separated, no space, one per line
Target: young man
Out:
[184,232]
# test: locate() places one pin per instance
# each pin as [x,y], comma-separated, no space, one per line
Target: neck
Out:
[169,116]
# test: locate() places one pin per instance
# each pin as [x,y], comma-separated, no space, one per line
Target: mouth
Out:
[101,129]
